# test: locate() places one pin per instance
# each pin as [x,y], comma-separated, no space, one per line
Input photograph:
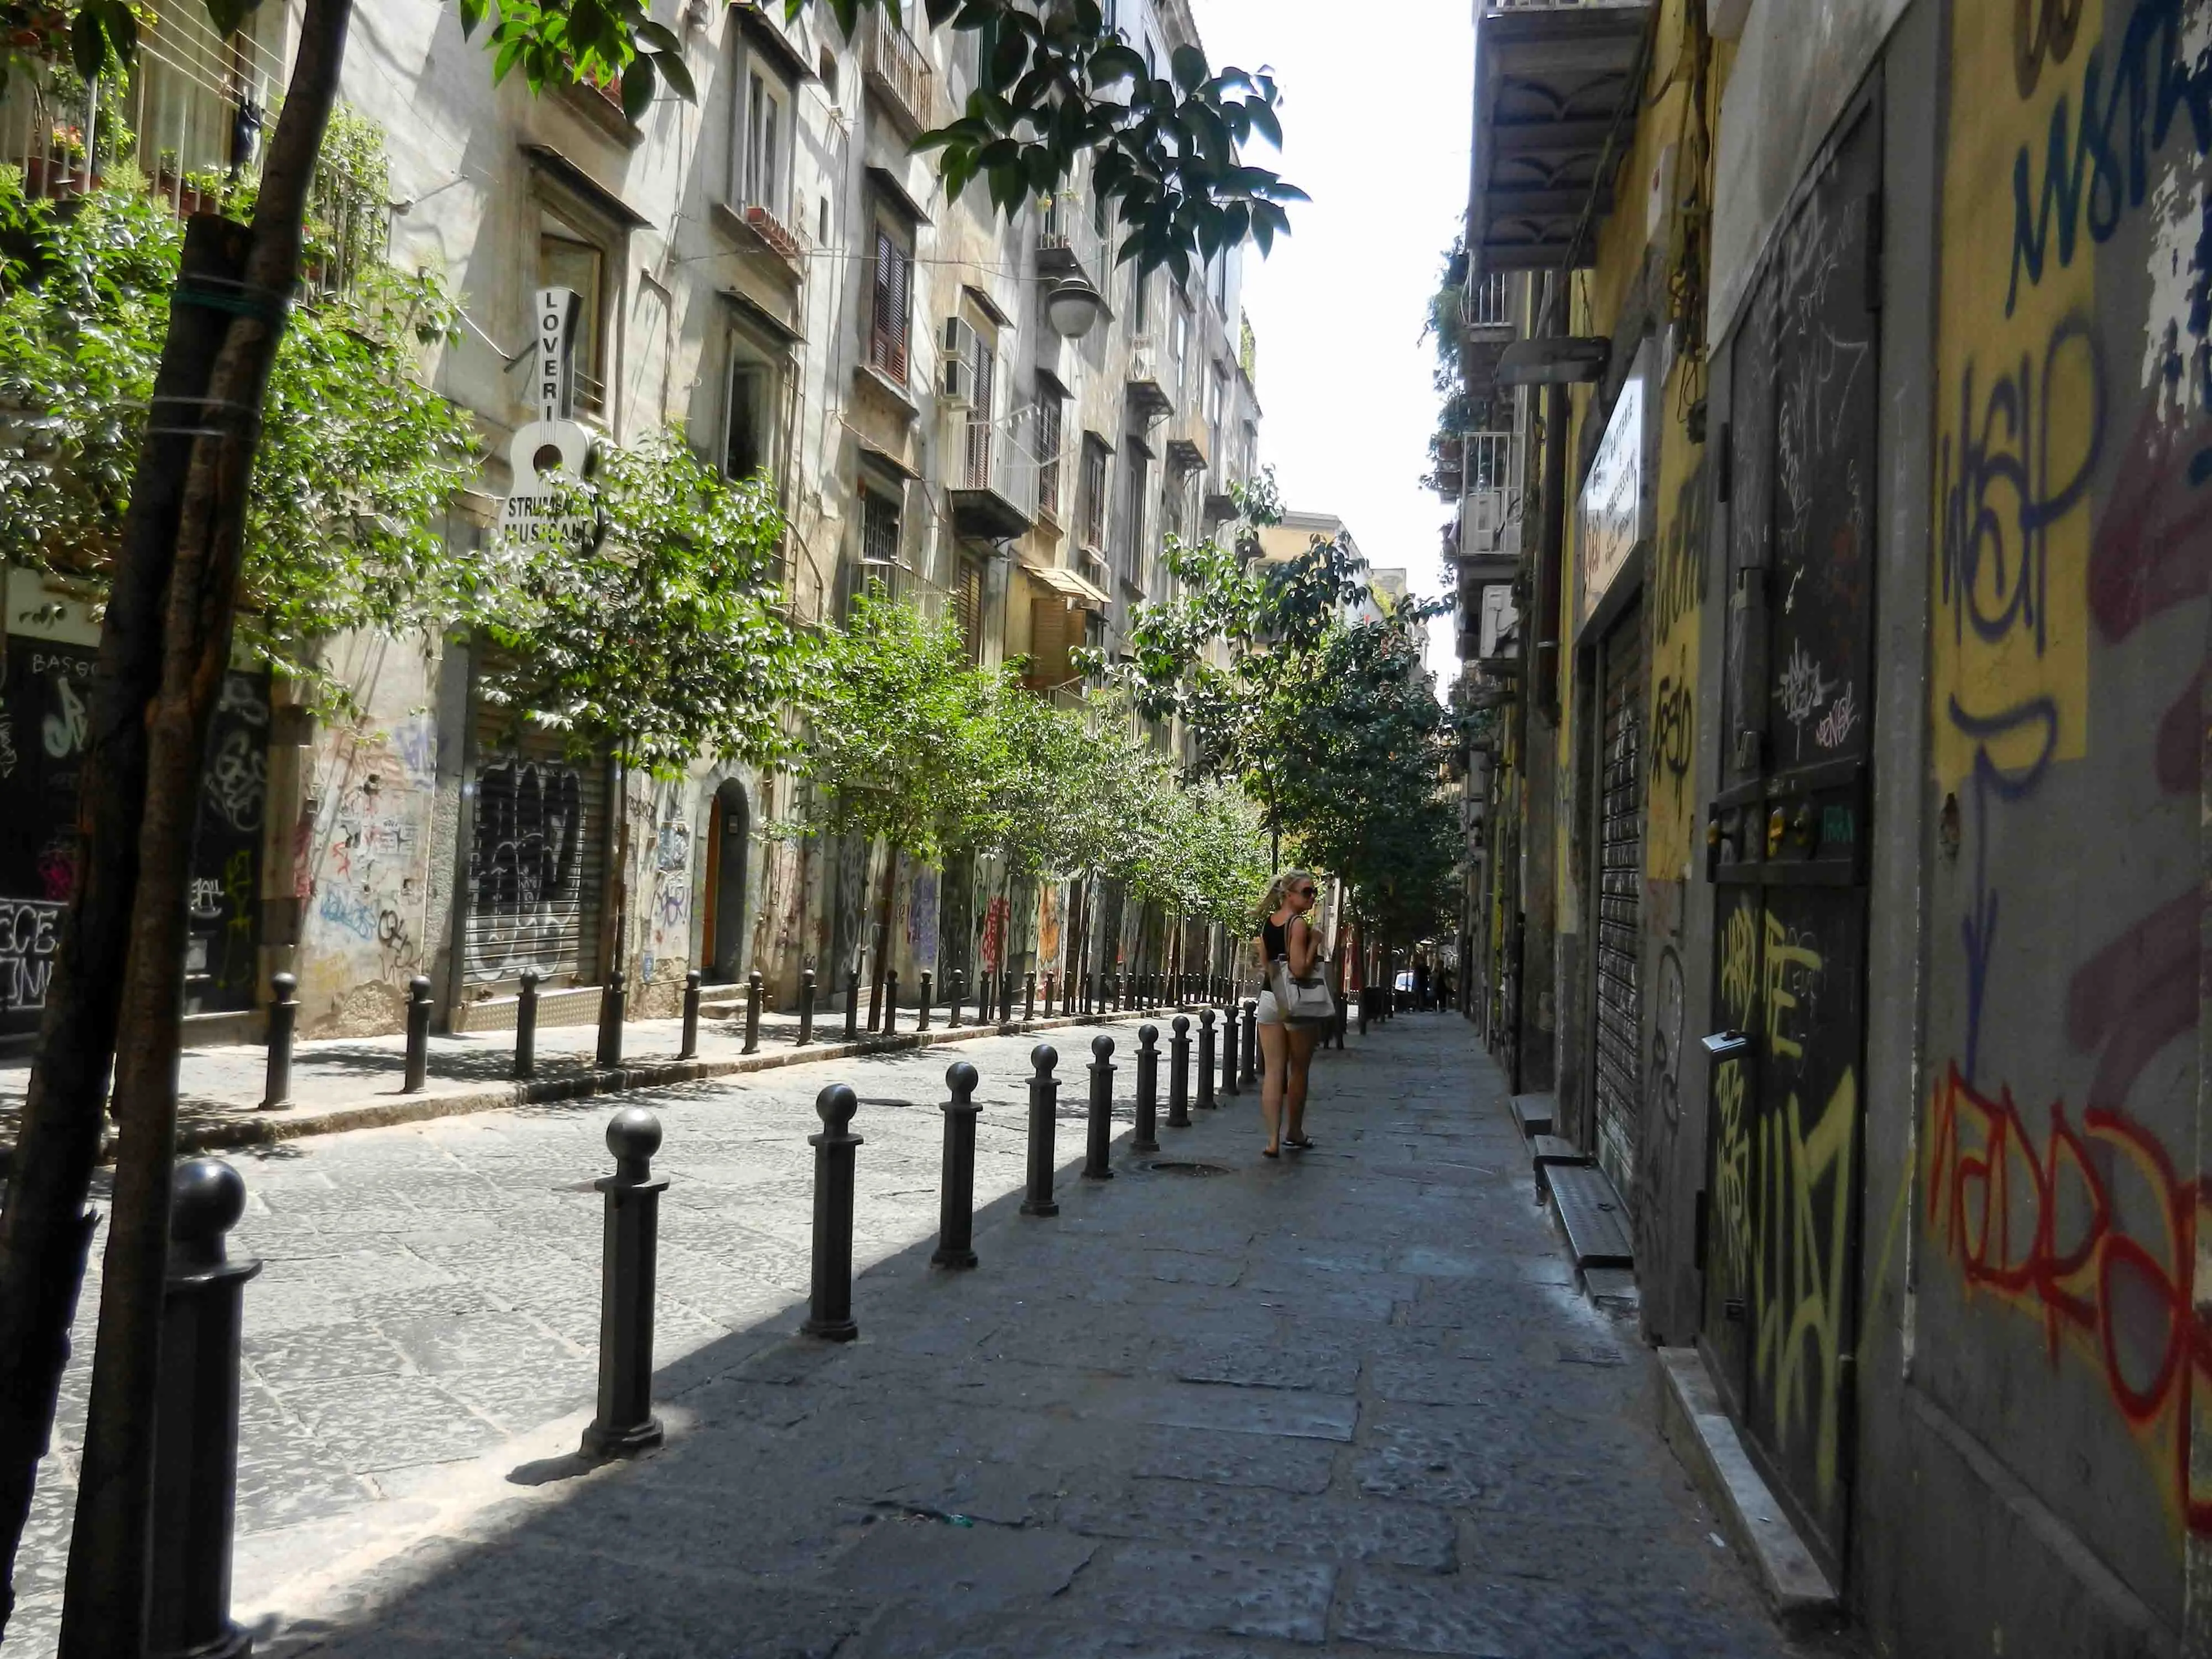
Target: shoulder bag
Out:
[1300,1001]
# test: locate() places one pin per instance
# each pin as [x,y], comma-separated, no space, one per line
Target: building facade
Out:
[769,268]
[1836,632]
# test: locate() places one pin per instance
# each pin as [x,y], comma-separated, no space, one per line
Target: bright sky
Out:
[1377,122]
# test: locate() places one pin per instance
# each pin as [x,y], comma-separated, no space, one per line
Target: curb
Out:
[1692,1421]
[230,1135]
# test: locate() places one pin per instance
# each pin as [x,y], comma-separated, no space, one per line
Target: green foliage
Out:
[899,729]
[664,637]
[357,458]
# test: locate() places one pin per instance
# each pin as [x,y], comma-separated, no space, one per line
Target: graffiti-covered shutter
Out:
[536,859]
[1619,893]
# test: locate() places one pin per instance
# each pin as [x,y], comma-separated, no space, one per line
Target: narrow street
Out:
[1353,1401]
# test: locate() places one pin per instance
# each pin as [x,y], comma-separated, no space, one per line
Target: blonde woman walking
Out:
[1285,935]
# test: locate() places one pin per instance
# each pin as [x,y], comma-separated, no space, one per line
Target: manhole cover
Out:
[1175,1166]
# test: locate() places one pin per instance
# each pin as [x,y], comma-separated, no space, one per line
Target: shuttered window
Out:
[1620,889]
[1055,630]
[892,314]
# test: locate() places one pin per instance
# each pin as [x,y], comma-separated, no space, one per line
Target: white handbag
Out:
[1300,1001]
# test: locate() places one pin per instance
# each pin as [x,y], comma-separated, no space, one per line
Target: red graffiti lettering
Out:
[2095,1235]
[2137,996]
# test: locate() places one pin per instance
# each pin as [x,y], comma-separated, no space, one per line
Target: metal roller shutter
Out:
[1620,886]
[537,868]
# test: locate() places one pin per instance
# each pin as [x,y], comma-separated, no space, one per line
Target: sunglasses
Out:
[1302,892]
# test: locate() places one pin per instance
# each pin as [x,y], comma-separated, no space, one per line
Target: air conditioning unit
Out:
[957,383]
[1485,517]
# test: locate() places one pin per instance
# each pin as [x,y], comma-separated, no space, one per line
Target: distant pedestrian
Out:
[1421,983]
[1286,936]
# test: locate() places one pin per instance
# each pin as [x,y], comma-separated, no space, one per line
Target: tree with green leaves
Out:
[897,741]
[1053,88]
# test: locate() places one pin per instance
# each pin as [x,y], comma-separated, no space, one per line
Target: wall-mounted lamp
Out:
[1073,307]
[1559,360]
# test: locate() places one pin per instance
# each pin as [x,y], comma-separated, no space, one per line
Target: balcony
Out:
[1485,309]
[995,486]
[1552,75]
[1148,393]
[898,73]
[1186,447]
[1069,243]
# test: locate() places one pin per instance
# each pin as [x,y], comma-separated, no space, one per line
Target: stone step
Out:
[1592,1216]
[1549,1150]
[1534,1113]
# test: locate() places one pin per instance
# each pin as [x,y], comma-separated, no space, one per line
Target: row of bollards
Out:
[995,1004]
[196,1476]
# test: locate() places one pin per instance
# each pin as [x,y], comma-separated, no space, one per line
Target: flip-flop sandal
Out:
[1298,1143]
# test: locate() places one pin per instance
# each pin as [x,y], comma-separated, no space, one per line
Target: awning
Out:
[893,189]
[1068,586]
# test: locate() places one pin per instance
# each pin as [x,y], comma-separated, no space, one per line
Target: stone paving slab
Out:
[1297,1408]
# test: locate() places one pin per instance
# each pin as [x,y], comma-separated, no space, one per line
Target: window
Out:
[1140,286]
[766,164]
[968,608]
[1091,502]
[890,316]
[1047,453]
[570,257]
[1179,345]
[748,419]
[1137,473]
[827,68]
[880,541]
[978,351]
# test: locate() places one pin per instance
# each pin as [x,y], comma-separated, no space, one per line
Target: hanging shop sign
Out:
[537,510]
[1610,515]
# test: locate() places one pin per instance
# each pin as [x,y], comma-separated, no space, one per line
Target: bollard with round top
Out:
[1044,1102]
[1250,1072]
[956,1212]
[614,1002]
[830,1308]
[690,1049]
[875,1004]
[1147,1138]
[959,991]
[1048,993]
[1205,1101]
[1366,998]
[629,1251]
[852,1005]
[1098,1140]
[1179,1075]
[418,1034]
[283,1023]
[805,1008]
[1229,1049]
[928,997]
[1028,997]
[525,1026]
[753,991]
[890,1002]
[195,1495]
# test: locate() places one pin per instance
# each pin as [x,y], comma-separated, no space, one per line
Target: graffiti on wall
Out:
[525,868]
[668,914]
[2074,510]
[370,844]
[922,917]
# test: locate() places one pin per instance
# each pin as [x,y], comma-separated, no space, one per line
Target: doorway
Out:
[1786,845]
[729,859]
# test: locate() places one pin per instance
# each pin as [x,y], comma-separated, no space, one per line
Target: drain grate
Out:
[1183,1167]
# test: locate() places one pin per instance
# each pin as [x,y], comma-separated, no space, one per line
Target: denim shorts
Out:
[1268,1013]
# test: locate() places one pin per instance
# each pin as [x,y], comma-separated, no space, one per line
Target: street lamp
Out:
[1074,306]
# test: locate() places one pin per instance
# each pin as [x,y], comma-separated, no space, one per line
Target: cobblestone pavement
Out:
[1349,1401]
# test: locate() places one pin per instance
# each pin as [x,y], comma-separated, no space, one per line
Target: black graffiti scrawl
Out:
[525,868]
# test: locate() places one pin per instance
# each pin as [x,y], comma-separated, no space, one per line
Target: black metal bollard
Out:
[525,1026]
[956,1211]
[1028,997]
[690,1049]
[754,992]
[418,1034]
[805,1008]
[1087,1001]
[629,1255]
[1179,1075]
[959,995]
[195,1499]
[928,996]
[1229,1049]
[1365,997]
[1044,1102]
[875,1004]
[830,1310]
[852,1005]
[890,1002]
[614,1003]
[1097,1150]
[1251,1070]
[1206,1100]
[1147,1137]
[283,1022]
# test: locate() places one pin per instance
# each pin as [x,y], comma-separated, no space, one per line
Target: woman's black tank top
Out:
[1274,939]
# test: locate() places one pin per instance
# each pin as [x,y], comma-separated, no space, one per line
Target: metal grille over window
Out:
[879,534]
[1048,449]
[1621,883]
[536,859]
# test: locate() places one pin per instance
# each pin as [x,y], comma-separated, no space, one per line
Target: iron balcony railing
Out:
[899,71]
[1002,456]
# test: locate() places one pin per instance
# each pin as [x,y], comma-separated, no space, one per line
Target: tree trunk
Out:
[104,1611]
[46,1229]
